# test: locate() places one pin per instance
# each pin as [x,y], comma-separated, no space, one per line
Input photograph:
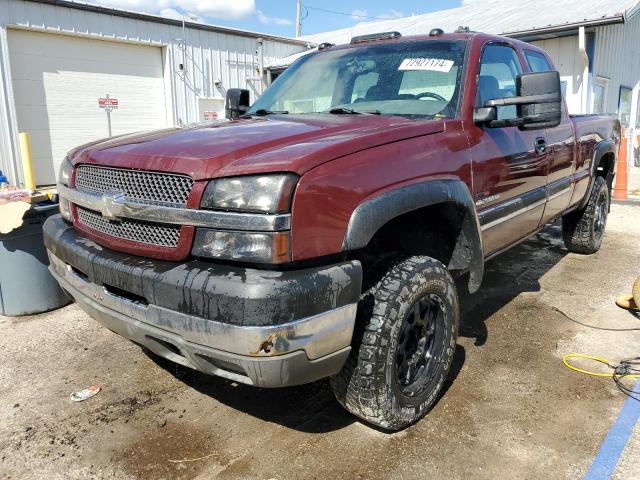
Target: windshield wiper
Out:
[261,112]
[349,111]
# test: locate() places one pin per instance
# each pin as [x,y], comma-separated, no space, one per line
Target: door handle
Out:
[541,145]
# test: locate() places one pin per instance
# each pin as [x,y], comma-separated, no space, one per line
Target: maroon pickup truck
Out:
[318,233]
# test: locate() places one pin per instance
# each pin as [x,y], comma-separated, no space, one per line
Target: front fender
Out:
[375,212]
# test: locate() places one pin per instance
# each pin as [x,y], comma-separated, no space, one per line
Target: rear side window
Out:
[537,61]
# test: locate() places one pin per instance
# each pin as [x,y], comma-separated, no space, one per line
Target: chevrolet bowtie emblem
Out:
[111,205]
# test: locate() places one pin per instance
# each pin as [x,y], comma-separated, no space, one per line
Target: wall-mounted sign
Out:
[108,103]
[210,115]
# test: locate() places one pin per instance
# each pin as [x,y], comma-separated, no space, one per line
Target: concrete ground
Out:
[510,410]
[634,182]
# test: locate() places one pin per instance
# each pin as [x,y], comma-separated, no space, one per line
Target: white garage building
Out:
[58,58]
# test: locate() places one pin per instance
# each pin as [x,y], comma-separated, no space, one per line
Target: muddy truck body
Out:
[322,231]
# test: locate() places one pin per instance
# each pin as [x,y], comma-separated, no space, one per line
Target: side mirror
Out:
[237,102]
[545,108]
[538,101]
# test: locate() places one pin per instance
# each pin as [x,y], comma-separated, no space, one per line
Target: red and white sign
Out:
[110,103]
[210,115]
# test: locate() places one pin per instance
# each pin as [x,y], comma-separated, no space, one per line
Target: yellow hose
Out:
[565,360]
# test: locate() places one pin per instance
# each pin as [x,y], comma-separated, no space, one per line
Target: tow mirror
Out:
[237,102]
[538,103]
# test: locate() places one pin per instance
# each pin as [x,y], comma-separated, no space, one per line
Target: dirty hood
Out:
[294,143]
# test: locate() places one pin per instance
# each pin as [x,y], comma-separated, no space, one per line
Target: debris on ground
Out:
[85,394]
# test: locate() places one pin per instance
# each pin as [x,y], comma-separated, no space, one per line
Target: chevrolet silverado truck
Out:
[321,231]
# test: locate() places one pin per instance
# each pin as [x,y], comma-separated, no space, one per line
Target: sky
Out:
[277,17]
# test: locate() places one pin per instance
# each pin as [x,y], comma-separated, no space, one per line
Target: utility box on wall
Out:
[210,109]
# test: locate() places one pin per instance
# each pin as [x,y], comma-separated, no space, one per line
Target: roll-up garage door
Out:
[58,81]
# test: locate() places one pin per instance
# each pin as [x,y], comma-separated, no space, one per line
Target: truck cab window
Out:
[499,67]
[537,61]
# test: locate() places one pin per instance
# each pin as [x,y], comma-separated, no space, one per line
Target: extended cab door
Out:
[509,165]
[561,148]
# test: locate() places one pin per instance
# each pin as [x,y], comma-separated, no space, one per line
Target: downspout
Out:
[582,48]
[261,63]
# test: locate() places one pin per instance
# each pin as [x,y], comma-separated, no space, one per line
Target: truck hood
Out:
[293,143]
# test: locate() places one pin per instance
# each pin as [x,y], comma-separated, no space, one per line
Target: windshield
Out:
[411,79]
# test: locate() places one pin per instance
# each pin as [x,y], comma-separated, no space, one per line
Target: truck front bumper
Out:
[263,328]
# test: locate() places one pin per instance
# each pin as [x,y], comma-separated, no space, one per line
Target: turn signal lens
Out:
[268,247]
[65,209]
[64,174]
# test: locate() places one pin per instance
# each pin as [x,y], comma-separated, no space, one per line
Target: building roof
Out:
[526,19]
[117,12]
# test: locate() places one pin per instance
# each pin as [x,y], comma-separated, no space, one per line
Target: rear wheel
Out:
[583,230]
[403,351]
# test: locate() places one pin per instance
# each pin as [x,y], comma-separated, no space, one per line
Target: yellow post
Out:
[27,162]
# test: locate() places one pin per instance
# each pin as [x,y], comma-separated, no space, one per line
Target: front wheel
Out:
[408,326]
[583,230]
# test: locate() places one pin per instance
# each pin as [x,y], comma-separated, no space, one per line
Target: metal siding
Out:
[617,58]
[209,55]
[567,59]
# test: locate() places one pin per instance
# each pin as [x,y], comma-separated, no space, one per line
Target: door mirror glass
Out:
[538,103]
[237,102]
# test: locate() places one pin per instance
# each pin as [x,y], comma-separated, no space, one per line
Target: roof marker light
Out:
[376,36]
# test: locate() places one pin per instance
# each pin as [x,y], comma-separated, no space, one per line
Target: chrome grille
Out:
[152,187]
[133,230]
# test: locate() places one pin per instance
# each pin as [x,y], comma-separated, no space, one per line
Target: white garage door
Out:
[57,81]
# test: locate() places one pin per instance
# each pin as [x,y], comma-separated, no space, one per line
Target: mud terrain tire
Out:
[414,306]
[583,230]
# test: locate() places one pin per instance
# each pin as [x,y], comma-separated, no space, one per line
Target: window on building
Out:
[599,94]
[624,106]
[499,68]
[537,61]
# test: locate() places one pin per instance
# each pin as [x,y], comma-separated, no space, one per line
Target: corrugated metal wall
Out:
[208,56]
[567,59]
[617,57]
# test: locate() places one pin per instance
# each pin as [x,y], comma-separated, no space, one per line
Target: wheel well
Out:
[435,231]
[606,168]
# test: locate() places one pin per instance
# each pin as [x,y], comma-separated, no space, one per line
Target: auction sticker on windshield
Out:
[433,64]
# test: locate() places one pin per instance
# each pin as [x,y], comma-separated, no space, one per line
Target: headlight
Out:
[63,178]
[65,172]
[263,247]
[253,193]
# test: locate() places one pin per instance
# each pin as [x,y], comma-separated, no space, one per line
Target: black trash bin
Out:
[26,286]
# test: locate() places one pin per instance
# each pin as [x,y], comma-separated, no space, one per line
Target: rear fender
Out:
[603,148]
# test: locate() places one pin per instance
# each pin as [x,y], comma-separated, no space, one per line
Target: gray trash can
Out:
[26,286]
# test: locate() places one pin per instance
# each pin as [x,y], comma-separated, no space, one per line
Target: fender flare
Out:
[372,214]
[603,148]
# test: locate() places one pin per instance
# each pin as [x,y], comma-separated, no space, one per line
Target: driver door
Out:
[509,165]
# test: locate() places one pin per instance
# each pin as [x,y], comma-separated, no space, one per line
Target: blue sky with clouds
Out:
[277,17]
